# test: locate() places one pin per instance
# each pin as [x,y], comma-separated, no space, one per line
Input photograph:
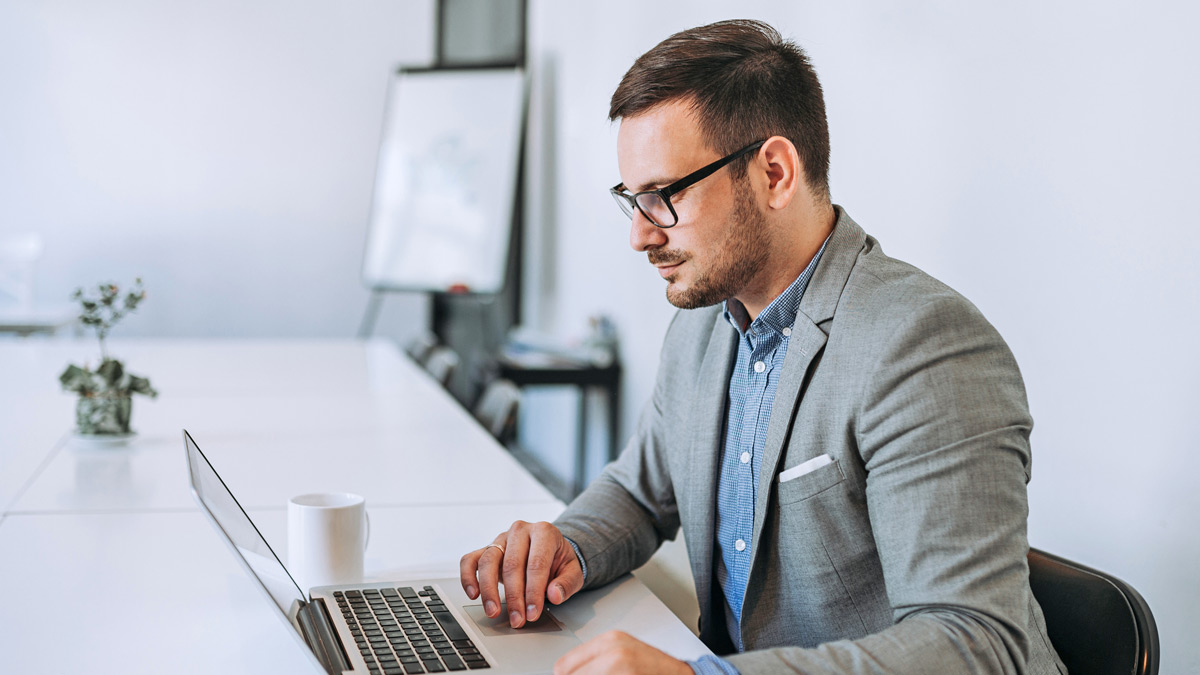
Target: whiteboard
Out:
[441,214]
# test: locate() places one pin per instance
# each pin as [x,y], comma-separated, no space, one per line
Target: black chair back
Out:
[1098,624]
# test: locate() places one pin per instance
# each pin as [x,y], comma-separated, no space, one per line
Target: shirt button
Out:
[740,545]
[759,367]
[745,458]
[787,332]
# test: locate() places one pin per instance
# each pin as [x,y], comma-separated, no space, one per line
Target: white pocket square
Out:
[805,467]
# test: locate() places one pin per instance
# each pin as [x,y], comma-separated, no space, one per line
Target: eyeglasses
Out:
[656,206]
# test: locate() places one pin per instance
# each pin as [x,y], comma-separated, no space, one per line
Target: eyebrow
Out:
[651,184]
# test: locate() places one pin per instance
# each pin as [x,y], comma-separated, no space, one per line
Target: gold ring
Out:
[494,546]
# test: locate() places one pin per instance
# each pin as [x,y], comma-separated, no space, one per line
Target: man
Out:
[843,439]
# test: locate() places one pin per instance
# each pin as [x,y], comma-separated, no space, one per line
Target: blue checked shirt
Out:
[762,347]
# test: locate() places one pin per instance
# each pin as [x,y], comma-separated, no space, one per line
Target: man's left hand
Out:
[617,652]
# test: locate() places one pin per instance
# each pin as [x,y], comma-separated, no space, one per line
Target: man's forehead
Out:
[659,145]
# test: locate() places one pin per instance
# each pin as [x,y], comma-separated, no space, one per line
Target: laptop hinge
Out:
[318,633]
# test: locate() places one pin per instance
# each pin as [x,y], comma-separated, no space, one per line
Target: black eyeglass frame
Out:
[628,202]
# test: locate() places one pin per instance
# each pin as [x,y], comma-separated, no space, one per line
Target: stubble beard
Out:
[743,254]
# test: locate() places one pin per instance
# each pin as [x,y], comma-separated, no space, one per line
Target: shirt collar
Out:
[781,313]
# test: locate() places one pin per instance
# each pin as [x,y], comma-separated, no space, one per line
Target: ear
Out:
[779,164]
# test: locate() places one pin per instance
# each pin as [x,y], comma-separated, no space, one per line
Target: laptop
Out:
[421,625]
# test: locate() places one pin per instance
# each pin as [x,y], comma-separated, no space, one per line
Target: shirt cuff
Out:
[711,665]
[578,556]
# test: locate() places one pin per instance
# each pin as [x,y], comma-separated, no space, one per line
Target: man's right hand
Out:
[535,563]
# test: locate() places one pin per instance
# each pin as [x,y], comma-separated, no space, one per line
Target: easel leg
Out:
[371,315]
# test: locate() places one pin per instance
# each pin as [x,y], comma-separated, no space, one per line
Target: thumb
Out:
[568,582]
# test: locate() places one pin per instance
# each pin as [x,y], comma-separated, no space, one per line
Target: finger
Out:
[490,560]
[516,553]
[568,580]
[468,565]
[544,542]
[577,659]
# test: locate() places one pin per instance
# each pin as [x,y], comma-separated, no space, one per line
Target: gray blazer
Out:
[905,553]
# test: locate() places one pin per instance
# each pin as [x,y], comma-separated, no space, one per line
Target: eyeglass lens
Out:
[623,202]
[655,208]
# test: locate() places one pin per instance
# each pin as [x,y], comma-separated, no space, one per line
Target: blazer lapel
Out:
[704,456]
[806,342]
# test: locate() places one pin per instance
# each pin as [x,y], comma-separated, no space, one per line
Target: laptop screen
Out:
[241,532]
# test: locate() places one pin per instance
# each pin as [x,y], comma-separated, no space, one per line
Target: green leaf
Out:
[142,386]
[111,370]
[76,379]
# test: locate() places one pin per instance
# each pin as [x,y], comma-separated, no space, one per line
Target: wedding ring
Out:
[494,546]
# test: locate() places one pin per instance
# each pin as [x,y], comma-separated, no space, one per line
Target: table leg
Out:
[581,441]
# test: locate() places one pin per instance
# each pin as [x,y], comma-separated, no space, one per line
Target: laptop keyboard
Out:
[401,630]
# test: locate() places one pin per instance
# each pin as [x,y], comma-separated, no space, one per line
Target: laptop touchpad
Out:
[499,625]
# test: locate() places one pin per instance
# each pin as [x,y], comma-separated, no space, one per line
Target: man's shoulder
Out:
[881,287]
[888,301]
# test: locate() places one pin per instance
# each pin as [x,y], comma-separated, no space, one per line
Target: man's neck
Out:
[788,259]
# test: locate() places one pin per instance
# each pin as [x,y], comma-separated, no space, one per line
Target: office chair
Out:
[441,363]
[420,347]
[1098,624]
[497,409]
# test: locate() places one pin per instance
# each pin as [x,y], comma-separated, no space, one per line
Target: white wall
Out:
[222,150]
[1039,157]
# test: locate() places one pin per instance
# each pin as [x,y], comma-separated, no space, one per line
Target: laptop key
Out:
[434,667]
[478,665]
[450,625]
[453,662]
[411,668]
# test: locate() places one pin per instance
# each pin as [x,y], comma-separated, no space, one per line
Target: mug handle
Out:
[367,539]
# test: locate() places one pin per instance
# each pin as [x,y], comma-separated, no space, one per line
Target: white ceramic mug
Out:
[327,536]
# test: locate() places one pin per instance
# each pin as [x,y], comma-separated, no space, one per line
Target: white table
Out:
[106,563]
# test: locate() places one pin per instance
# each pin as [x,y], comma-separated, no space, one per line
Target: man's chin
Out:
[687,298]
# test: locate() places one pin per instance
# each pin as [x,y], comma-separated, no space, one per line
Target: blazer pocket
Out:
[810,484]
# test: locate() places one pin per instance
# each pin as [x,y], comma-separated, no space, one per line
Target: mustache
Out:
[660,256]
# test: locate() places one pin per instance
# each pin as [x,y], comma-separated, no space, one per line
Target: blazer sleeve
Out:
[943,433]
[624,515]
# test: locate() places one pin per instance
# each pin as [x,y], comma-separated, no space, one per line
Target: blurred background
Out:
[1040,157]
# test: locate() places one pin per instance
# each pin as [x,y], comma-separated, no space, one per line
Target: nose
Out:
[643,235]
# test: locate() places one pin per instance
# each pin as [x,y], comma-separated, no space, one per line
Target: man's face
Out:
[721,241]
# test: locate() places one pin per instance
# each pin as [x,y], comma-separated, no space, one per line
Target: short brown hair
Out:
[747,84]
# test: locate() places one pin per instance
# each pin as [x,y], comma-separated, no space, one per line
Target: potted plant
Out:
[106,393]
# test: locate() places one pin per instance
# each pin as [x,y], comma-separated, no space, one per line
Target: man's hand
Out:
[535,563]
[617,652]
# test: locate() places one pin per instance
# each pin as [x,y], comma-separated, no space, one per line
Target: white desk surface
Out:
[362,418]
[106,564]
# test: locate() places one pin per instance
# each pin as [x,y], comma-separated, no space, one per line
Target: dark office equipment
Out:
[585,377]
